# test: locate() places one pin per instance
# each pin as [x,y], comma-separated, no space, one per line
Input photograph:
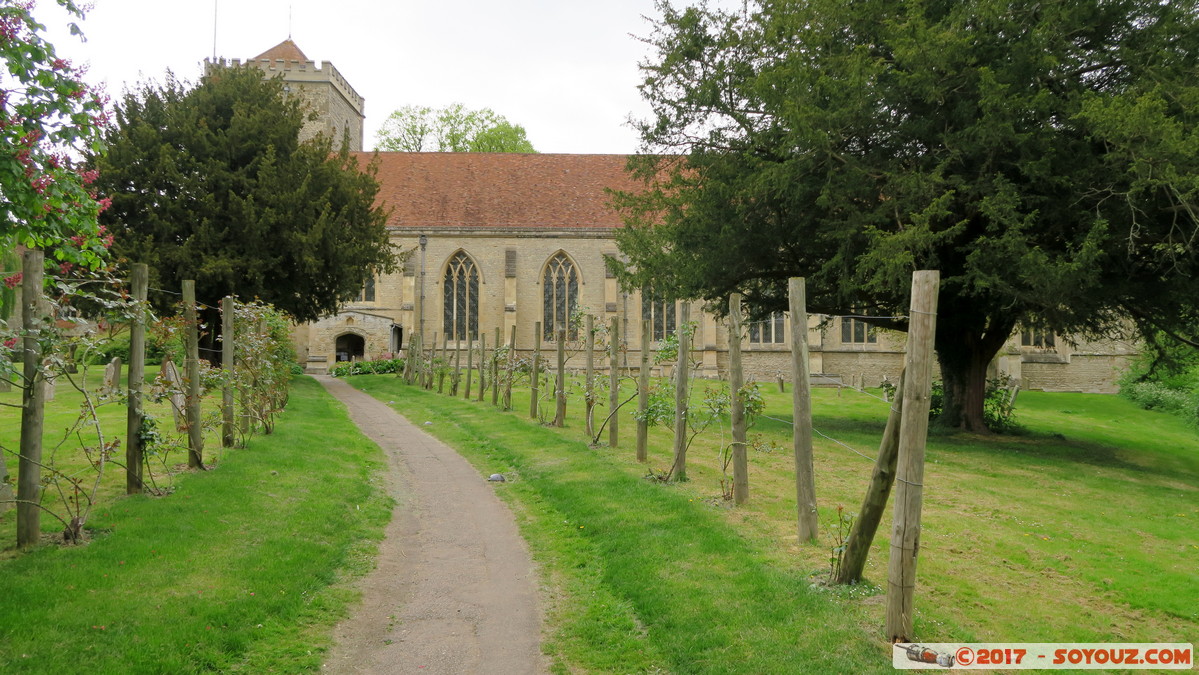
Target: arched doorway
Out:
[350,347]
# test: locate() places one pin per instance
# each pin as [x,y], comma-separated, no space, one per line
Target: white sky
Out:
[565,69]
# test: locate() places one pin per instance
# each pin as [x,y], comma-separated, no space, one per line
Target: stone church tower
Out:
[339,109]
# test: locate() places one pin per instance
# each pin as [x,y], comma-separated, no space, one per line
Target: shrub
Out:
[380,367]
[999,413]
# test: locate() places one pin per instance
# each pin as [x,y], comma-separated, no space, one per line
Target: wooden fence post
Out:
[737,406]
[560,386]
[614,383]
[536,372]
[589,380]
[511,370]
[801,397]
[913,434]
[195,432]
[643,394]
[445,364]
[431,371]
[134,472]
[456,377]
[495,367]
[874,504]
[227,346]
[470,357]
[678,470]
[33,402]
[482,365]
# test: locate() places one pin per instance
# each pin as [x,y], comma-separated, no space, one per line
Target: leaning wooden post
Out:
[613,382]
[511,370]
[134,472]
[874,504]
[801,399]
[470,357]
[227,342]
[737,407]
[678,470]
[195,432]
[33,402]
[495,367]
[643,395]
[560,386]
[589,379]
[482,366]
[536,371]
[913,433]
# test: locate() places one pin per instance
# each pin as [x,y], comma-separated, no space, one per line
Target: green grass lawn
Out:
[1081,529]
[241,569]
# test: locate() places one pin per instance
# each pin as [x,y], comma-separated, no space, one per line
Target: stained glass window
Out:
[659,312]
[560,291]
[460,298]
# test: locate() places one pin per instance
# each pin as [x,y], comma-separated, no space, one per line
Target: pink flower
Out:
[15,279]
[105,203]
[10,343]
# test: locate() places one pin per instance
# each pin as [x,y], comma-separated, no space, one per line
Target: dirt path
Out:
[454,590]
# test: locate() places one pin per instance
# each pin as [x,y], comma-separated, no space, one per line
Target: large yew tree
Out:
[1042,155]
[210,183]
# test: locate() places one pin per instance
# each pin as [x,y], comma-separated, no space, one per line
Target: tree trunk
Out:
[964,353]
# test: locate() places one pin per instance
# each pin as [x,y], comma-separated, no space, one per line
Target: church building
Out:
[519,240]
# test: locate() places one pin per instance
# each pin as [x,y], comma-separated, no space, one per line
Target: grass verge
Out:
[241,569]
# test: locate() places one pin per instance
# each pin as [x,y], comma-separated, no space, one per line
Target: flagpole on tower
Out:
[214,9]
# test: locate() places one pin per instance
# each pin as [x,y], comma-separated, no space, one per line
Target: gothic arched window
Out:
[560,292]
[461,298]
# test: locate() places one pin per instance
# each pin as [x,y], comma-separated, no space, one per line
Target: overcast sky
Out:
[565,69]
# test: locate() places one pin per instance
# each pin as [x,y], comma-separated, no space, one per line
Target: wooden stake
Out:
[536,372]
[678,470]
[195,432]
[495,368]
[482,365]
[560,386]
[511,369]
[643,394]
[589,380]
[457,376]
[913,434]
[874,504]
[470,357]
[808,524]
[614,383]
[134,471]
[737,412]
[33,402]
[227,342]
[445,364]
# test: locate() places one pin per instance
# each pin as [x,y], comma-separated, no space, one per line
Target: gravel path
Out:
[454,590]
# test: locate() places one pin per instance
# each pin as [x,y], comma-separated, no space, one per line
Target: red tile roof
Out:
[286,50]
[496,190]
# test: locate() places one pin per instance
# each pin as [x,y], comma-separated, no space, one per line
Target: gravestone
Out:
[112,377]
[169,383]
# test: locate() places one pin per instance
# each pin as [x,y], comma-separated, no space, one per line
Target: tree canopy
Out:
[210,183]
[454,128]
[1043,156]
